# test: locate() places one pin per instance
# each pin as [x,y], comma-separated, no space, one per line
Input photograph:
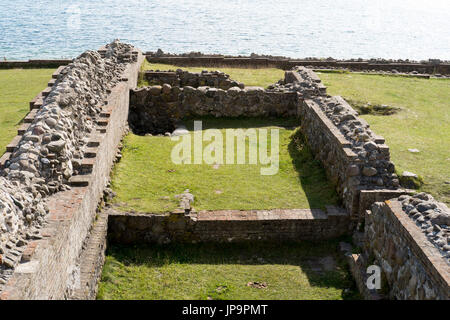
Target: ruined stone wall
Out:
[228,226]
[155,109]
[183,78]
[31,64]
[354,157]
[414,265]
[71,148]
[287,63]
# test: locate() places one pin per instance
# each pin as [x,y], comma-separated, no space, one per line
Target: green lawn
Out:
[423,123]
[17,88]
[146,179]
[250,77]
[223,271]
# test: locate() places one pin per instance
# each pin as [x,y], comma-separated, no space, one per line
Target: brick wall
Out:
[228,225]
[51,266]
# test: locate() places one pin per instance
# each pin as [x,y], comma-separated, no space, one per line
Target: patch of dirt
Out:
[374,109]
[257,285]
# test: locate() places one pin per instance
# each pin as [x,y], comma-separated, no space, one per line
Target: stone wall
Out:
[287,64]
[156,109]
[47,267]
[228,226]
[413,267]
[354,157]
[31,64]
[182,78]
[54,173]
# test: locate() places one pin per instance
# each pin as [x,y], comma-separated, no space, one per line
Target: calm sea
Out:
[412,29]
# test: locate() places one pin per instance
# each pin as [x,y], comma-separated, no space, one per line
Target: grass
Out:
[223,271]
[423,122]
[250,77]
[17,88]
[146,179]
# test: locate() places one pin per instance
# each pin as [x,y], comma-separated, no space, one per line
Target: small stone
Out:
[428,212]
[413,150]
[51,122]
[395,183]
[56,146]
[369,171]
[441,219]
[7,262]
[416,216]
[424,206]
[38,130]
[409,174]
[155,90]
[423,196]
[370,146]
[353,170]
[33,138]
[180,131]
[166,88]
[20,243]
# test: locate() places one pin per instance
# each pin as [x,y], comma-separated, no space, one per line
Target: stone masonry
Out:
[228,226]
[412,267]
[39,188]
[55,171]
[183,78]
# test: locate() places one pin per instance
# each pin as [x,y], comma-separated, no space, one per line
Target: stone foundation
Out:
[354,164]
[50,265]
[432,67]
[182,78]
[156,109]
[228,226]
[412,266]
[58,246]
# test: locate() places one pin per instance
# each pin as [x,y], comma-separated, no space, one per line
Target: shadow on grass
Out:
[320,261]
[311,173]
